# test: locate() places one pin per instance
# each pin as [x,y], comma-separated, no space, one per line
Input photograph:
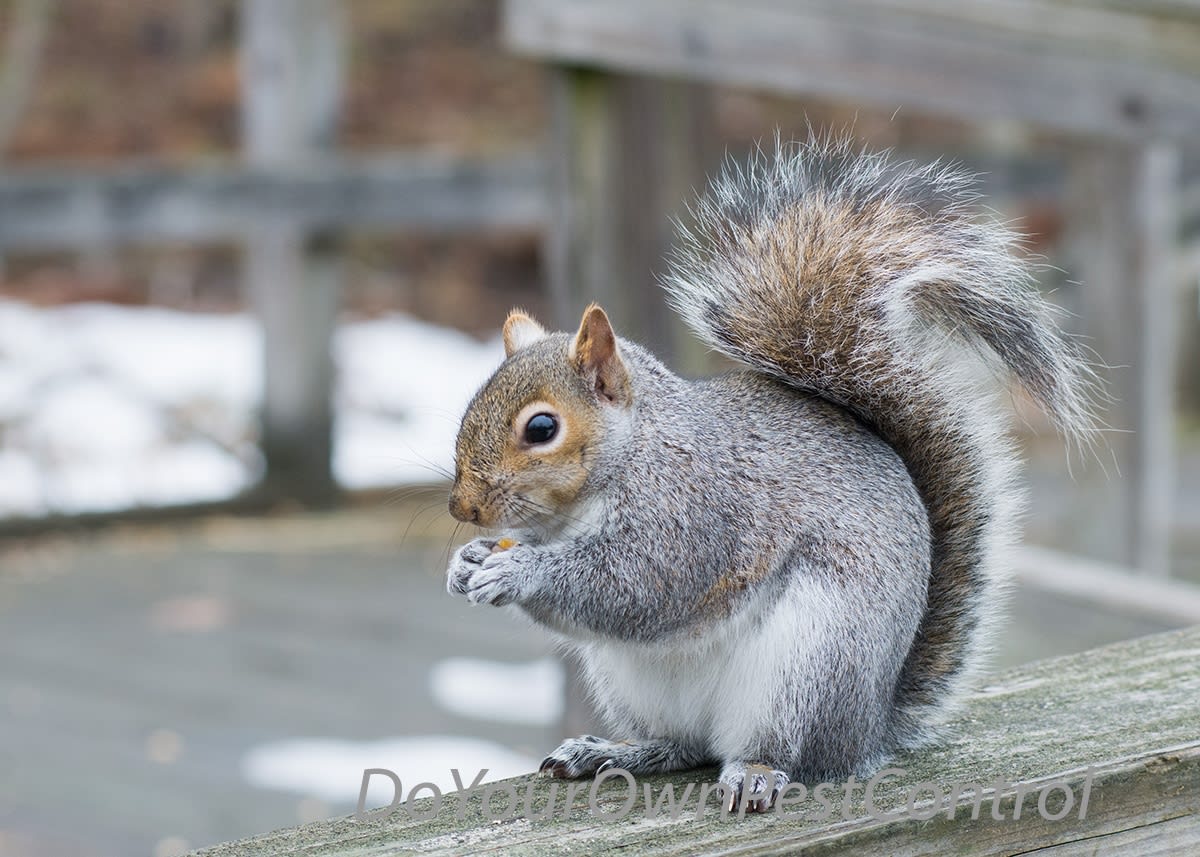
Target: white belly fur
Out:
[716,690]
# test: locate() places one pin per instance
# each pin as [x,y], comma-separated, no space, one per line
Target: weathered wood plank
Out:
[67,208]
[1122,717]
[1162,839]
[1116,69]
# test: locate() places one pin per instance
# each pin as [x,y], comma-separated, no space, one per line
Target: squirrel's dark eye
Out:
[541,428]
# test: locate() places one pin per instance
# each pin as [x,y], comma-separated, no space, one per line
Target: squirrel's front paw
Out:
[498,579]
[486,575]
[465,563]
[583,757]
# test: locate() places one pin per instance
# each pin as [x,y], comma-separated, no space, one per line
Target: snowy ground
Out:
[105,407]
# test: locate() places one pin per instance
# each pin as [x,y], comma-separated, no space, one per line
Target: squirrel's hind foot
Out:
[754,786]
[589,755]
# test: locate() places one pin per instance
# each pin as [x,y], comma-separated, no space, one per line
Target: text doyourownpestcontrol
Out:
[502,800]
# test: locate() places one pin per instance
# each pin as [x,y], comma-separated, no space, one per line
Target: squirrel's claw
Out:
[581,757]
[747,786]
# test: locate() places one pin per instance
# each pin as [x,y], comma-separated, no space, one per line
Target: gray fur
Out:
[747,566]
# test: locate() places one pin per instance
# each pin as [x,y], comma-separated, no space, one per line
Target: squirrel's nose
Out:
[463,511]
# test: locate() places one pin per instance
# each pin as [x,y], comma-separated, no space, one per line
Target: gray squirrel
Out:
[793,567]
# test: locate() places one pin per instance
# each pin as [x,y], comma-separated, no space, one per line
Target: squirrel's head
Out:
[532,434]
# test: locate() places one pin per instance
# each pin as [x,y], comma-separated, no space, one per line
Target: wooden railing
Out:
[1097,753]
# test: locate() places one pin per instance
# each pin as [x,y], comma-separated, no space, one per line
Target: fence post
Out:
[1157,181]
[581,232]
[292,54]
[1122,218]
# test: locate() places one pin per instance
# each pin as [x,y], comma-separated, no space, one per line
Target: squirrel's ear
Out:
[519,331]
[595,356]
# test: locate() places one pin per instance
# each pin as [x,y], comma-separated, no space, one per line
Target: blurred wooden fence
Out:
[286,202]
[1119,78]
[627,150]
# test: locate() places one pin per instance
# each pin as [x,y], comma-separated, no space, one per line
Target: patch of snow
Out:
[170,356]
[332,769]
[529,693]
[106,407]
[21,486]
[403,386]
[92,418]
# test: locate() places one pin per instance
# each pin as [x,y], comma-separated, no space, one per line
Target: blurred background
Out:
[254,257]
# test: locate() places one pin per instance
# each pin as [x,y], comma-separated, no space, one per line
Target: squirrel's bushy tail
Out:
[868,282]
